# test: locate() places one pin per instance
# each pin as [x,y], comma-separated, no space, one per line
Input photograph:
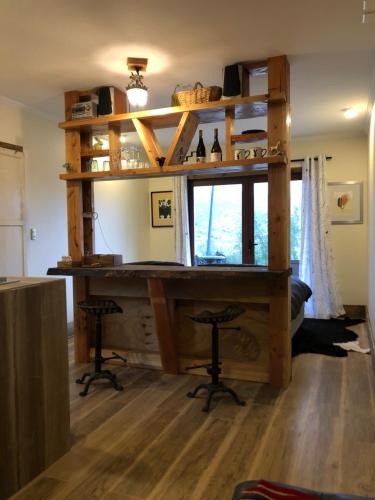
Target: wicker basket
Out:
[196,95]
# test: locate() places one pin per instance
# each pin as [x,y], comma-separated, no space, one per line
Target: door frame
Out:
[17,154]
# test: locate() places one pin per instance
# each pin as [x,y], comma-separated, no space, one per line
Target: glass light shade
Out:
[137,96]
[350,113]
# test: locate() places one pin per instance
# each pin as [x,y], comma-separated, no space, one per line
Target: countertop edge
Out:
[169,272]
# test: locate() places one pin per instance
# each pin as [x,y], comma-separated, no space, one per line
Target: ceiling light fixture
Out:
[350,113]
[136,90]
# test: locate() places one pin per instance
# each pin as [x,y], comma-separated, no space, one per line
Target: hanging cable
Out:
[95,216]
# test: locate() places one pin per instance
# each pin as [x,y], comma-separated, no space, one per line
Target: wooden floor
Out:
[151,442]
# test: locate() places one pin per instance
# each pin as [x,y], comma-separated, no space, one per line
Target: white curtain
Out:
[317,266]
[181,223]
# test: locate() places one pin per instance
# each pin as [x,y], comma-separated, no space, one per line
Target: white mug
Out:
[241,154]
[259,152]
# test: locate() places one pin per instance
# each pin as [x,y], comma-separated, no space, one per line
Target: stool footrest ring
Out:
[115,356]
[206,365]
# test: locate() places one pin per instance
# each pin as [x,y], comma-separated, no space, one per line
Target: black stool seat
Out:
[98,308]
[214,318]
[228,314]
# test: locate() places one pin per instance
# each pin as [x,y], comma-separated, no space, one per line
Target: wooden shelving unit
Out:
[186,119]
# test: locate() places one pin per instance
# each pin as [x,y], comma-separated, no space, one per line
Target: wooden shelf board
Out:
[113,174]
[254,137]
[230,166]
[94,153]
[209,112]
[226,166]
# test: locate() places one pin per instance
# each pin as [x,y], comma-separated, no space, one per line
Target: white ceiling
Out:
[49,46]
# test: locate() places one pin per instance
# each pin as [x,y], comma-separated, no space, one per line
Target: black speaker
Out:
[232,82]
[105,101]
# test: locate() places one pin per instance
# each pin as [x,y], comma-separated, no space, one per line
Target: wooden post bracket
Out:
[163,322]
[149,140]
[182,139]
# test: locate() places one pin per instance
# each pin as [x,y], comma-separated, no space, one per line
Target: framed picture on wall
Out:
[346,202]
[162,208]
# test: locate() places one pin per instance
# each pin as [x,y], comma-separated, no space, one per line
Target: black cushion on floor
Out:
[318,336]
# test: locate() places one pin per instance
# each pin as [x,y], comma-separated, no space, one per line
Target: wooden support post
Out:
[81,333]
[182,138]
[245,82]
[279,225]
[114,133]
[88,221]
[75,224]
[76,244]
[150,143]
[70,98]
[120,101]
[73,149]
[72,137]
[163,323]
[229,131]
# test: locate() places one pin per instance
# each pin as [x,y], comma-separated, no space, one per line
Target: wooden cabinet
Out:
[34,404]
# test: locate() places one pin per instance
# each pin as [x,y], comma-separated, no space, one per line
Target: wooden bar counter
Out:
[34,405]
[155,329]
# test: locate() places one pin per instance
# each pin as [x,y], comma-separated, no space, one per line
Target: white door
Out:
[11,213]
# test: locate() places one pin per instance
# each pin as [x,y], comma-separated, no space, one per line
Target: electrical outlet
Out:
[33,233]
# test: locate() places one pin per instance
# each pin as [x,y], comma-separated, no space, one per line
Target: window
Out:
[229,220]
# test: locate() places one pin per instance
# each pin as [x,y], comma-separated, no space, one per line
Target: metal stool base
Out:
[105,374]
[99,373]
[211,390]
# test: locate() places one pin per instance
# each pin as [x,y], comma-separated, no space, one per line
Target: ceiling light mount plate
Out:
[137,64]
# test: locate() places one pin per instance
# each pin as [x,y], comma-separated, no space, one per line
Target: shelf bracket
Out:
[149,141]
[182,138]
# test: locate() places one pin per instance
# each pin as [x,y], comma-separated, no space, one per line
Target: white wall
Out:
[349,163]
[45,199]
[122,207]
[161,239]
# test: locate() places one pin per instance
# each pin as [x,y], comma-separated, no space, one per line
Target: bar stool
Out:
[214,318]
[98,308]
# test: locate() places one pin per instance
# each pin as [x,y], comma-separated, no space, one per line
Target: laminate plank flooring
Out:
[152,442]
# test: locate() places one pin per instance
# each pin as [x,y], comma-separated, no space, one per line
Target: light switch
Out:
[33,233]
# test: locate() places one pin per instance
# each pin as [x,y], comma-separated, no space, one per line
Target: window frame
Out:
[247,182]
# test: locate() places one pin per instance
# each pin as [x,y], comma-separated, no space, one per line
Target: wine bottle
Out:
[201,149]
[216,154]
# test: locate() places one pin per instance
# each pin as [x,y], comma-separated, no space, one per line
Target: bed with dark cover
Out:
[299,295]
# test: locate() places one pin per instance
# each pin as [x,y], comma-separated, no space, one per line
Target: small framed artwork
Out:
[162,208]
[346,202]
